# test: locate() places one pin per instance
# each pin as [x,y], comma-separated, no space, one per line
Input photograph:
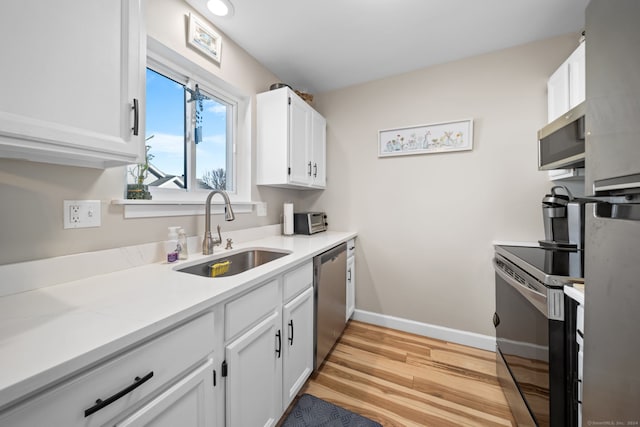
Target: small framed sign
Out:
[426,139]
[203,38]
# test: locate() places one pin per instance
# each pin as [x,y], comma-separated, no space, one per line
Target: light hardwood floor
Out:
[401,379]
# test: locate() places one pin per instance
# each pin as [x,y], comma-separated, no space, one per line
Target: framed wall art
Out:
[203,38]
[426,139]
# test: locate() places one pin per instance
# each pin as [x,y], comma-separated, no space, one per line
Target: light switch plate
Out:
[81,213]
[261,209]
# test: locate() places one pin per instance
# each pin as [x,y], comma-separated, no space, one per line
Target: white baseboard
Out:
[472,339]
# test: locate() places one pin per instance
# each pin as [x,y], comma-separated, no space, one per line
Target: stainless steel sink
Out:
[225,266]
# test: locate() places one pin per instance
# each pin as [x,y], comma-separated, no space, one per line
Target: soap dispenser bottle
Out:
[173,245]
[182,242]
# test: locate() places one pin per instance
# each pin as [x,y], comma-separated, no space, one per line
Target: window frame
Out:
[190,201]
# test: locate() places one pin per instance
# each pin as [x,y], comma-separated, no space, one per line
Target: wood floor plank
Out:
[401,379]
[410,403]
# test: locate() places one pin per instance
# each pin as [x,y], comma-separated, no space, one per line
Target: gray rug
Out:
[309,411]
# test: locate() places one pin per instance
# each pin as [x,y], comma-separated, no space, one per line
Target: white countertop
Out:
[48,334]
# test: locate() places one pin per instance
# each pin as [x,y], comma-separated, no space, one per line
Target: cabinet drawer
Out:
[243,312]
[297,280]
[160,360]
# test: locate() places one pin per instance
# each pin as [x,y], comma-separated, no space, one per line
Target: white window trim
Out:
[174,202]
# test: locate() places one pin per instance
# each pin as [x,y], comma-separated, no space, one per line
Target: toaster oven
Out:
[309,222]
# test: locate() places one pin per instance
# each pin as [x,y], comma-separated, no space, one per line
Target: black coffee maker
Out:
[563,217]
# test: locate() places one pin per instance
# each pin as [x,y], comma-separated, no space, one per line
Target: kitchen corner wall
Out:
[426,223]
[32,194]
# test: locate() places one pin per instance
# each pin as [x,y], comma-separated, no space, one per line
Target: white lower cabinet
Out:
[351,278]
[153,384]
[298,348]
[174,379]
[268,348]
[186,403]
[254,375]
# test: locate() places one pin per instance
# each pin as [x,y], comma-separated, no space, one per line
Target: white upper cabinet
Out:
[291,138]
[319,150]
[299,141]
[577,76]
[73,72]
[566,86]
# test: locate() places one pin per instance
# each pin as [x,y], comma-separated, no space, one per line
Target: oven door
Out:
[530,343]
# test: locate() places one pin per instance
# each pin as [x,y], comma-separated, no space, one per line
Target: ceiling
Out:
[322,45]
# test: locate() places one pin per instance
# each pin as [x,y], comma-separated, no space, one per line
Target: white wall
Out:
[426,222]
[32,193]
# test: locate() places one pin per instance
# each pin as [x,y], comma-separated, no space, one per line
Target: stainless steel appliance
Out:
[611,388]
[330,286]
[531,332]
[613,91]
[563,218]
[309,222]
[561,142]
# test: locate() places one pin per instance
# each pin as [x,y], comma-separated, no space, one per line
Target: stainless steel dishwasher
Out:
[330,287]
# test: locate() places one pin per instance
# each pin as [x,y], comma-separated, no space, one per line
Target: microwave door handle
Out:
[537,299]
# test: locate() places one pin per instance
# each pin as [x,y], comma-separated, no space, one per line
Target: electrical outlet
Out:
[74,213]
[261,209]
[81,213]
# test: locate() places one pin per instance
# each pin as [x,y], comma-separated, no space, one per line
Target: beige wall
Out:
[426,223]
[32,193]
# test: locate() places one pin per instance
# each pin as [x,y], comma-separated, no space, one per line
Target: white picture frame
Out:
[426,139]
[204,39]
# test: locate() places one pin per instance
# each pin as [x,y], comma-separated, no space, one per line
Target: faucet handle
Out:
[218,240]
[229,243]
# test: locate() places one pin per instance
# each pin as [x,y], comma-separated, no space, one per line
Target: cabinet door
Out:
[319,144]
[76,68]
[558,93]
[189,402]
[298,347]
[577,76]
[299,141]
[254,379]
[351,286]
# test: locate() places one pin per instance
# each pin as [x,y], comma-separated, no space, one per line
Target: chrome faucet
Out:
[209,242]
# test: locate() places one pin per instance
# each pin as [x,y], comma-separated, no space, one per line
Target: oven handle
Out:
[537,299]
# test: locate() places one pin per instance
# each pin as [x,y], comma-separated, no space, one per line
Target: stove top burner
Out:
[548,262]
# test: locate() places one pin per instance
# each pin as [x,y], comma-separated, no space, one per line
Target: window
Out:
[189,135]
[185,164]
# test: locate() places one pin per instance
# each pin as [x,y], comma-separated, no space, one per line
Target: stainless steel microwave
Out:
[561,142]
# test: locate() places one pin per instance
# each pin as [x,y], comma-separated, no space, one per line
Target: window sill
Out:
[163,208]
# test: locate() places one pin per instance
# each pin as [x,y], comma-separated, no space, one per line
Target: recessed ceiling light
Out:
[220,7]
